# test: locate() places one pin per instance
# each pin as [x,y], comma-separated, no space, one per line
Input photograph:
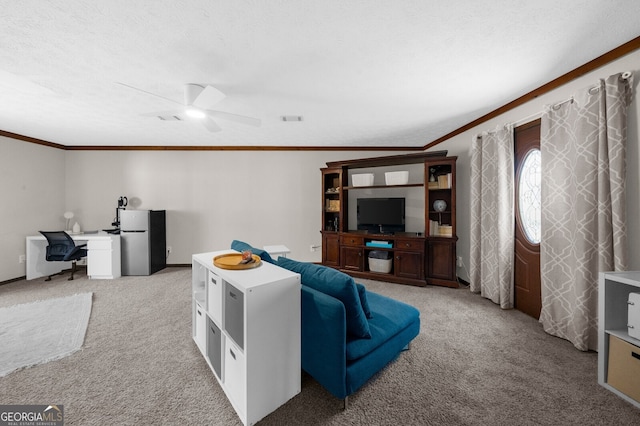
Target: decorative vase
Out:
[76,228]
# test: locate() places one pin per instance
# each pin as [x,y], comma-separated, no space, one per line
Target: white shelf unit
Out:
[614,289]
[246,324]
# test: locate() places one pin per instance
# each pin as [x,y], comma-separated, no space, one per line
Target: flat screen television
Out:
[381,215]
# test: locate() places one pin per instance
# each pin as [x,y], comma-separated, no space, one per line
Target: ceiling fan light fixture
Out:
[195,113]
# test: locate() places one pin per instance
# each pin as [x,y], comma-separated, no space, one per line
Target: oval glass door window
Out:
[529,206]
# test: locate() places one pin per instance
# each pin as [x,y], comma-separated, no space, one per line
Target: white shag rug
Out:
[39,332]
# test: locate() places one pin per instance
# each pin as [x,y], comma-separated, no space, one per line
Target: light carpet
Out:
[39,332]
[473,364]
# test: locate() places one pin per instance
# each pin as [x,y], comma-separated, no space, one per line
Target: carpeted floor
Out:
[472,364]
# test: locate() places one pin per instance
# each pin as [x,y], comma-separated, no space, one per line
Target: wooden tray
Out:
[232,261]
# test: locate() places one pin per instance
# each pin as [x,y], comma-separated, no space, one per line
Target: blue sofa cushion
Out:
[242,246]
[336,284]
[362,293]
[391,317]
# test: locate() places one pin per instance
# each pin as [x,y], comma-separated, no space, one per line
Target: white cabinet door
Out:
[235,377]
[200,322]
[103,258]
[99,263]
[214,291]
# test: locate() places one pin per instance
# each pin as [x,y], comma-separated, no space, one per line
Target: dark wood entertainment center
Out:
[424,256]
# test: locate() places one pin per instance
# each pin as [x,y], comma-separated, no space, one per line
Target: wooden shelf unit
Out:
[332,220]
[419,258]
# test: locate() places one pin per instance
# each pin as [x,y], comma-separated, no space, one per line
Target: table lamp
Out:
[68,216]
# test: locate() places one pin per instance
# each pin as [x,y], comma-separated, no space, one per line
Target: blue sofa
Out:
[348,333]
[338,350]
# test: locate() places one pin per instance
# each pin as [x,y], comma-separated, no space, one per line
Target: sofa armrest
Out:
[324,334]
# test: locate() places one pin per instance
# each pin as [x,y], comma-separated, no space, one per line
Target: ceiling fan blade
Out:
[149,93]
[208,97]
[235,117]
[211,125]
[174,112]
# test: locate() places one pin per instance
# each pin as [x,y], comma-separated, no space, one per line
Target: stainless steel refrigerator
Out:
[144,243]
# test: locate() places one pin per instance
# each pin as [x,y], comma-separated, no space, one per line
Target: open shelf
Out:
[407,185]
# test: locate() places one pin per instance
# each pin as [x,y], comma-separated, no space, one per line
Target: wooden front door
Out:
[527,296]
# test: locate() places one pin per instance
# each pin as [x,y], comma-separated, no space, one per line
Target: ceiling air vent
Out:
[291,118]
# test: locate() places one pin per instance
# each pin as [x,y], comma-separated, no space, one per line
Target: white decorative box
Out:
[396,178]
[633,321]
[363,179]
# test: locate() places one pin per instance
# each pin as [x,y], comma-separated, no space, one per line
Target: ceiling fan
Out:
[198,101]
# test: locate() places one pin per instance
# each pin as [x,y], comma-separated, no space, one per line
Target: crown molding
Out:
[592,65]
[31,140]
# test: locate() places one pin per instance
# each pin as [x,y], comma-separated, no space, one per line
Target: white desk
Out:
[103,256]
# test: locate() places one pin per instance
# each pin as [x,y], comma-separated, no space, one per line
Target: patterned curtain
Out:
[492,216]
[583,145]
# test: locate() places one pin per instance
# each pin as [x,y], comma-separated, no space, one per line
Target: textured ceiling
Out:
[362,72]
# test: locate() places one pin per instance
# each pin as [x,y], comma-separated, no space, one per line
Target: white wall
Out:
[211,197]
[32,191]
[460,146]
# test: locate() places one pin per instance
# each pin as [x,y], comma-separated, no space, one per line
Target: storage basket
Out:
[445,231]
[396,178]
[333,206]
[380,265]
[623,369]
[363,179]
[379,261]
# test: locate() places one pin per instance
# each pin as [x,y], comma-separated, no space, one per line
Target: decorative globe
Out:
[439,205]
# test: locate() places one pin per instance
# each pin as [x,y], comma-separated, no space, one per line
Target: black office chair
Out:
[62,248]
